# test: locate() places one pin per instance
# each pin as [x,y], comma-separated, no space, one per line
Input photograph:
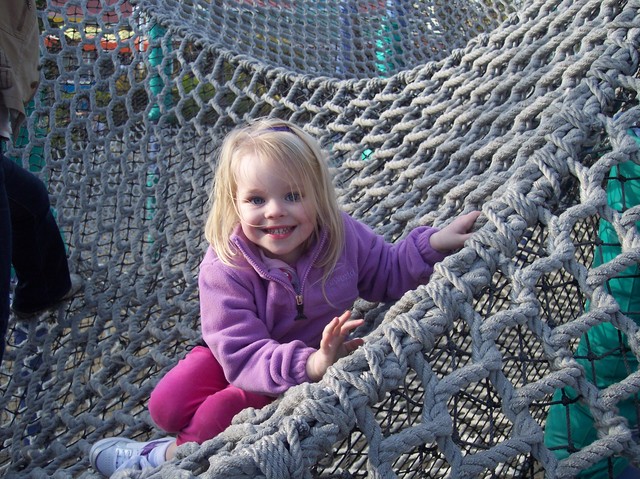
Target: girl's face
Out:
[274,214]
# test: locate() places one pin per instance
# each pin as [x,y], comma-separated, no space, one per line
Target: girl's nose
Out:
[274,209]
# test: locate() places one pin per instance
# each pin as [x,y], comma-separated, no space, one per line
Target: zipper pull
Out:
[300,308]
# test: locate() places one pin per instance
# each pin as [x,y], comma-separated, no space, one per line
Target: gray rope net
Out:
[527,110]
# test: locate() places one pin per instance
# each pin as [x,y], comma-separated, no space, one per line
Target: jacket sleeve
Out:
[388,270]
[20,59]
[241,342]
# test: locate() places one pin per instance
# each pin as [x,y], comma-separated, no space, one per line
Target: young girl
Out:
[283,268]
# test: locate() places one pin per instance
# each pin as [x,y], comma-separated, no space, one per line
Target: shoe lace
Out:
[134,459]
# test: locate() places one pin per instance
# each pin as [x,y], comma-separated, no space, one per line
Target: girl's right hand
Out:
[453,236]
[333,345]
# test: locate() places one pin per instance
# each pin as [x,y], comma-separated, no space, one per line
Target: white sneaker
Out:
[114,453]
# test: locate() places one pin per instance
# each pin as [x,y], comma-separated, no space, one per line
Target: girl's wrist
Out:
[437,244]
[311,368]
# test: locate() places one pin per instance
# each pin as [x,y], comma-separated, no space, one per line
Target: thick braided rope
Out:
[455,376]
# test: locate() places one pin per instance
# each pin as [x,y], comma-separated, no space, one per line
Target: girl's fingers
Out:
[338,323]
[338,329]
[328,332]
[331,332]
[470,219]
[351,325]
[333,325]
[344,317]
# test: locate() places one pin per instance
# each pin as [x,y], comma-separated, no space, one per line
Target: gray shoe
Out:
[76,285]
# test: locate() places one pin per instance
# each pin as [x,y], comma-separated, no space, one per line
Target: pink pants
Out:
[195,401]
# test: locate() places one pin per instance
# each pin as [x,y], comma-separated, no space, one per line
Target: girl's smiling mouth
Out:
[279,231]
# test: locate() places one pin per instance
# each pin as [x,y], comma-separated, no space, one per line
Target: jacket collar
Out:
[251,254]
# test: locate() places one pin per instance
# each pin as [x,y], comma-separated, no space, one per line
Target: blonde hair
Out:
[295,151]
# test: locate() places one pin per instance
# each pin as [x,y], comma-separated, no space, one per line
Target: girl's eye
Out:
[293,197]
[256,200]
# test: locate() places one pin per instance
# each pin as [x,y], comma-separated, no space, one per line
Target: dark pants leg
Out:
[38,253]
[5,259]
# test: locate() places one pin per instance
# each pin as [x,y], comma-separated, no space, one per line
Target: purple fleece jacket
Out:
[248,314]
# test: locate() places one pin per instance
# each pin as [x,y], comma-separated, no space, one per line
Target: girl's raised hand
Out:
[333,345]
[453,236]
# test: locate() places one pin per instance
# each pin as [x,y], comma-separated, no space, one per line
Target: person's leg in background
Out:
[5,259]
[39,256]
